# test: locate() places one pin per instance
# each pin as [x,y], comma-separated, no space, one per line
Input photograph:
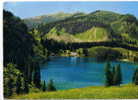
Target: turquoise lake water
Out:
[78,72]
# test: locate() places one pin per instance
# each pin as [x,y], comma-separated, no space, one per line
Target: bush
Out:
[13,80]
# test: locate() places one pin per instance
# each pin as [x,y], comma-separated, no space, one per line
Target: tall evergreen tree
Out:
[37,77]
[135,77]
[18,84]
[50,86]
[44,86]
[108,75]
[26,86]
[10,86]
[117,75]
[113,71]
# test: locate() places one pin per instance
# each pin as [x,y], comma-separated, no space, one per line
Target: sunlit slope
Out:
[94,34]
[91,35]
[61,35]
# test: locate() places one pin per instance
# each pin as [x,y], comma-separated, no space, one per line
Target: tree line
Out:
[113,75]
[53,45]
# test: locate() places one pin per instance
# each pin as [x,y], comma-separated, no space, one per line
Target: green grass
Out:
[61,35]
[94,34]
[100,92]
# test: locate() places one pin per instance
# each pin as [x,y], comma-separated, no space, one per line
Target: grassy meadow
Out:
[128,91]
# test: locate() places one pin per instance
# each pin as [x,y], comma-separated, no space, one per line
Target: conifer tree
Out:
[26,86]
[37,77]
[108,75]
[44,86]
[10,86]
[18,84]
[50,86]
[117,75]
[113,71]
[135,77]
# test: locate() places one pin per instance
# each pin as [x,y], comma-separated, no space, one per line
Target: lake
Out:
[78,72]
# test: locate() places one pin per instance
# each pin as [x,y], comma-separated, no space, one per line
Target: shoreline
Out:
[123,60]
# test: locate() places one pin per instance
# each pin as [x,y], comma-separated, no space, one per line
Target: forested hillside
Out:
[22,56]
[96,26]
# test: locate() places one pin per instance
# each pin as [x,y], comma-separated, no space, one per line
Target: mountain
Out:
[34,21]
[96,26]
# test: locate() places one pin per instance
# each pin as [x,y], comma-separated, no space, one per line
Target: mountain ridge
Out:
[48,18]
[108,25]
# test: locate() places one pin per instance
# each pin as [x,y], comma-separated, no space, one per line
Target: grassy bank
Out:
[126,92]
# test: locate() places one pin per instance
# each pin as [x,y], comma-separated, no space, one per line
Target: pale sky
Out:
[31,9]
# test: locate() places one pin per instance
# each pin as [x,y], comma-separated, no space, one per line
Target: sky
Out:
[31,9]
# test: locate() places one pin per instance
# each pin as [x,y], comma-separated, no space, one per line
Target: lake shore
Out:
[76,55]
